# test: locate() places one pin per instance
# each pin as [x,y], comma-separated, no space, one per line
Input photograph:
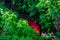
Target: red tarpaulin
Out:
[35,26]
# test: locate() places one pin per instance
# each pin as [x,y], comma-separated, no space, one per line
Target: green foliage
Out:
[57,36]
[14,29]
[29,6]
[46,11]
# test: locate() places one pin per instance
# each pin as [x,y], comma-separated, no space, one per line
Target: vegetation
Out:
[14,19]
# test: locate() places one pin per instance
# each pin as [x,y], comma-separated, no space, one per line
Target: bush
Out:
[48,11]
[14,29]
[14,24]
[41,11]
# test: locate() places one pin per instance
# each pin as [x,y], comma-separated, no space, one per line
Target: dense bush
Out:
[14,29]
[14,16]
[44,12]
[48,13]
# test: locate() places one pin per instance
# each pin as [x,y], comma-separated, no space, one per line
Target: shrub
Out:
[14,29]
